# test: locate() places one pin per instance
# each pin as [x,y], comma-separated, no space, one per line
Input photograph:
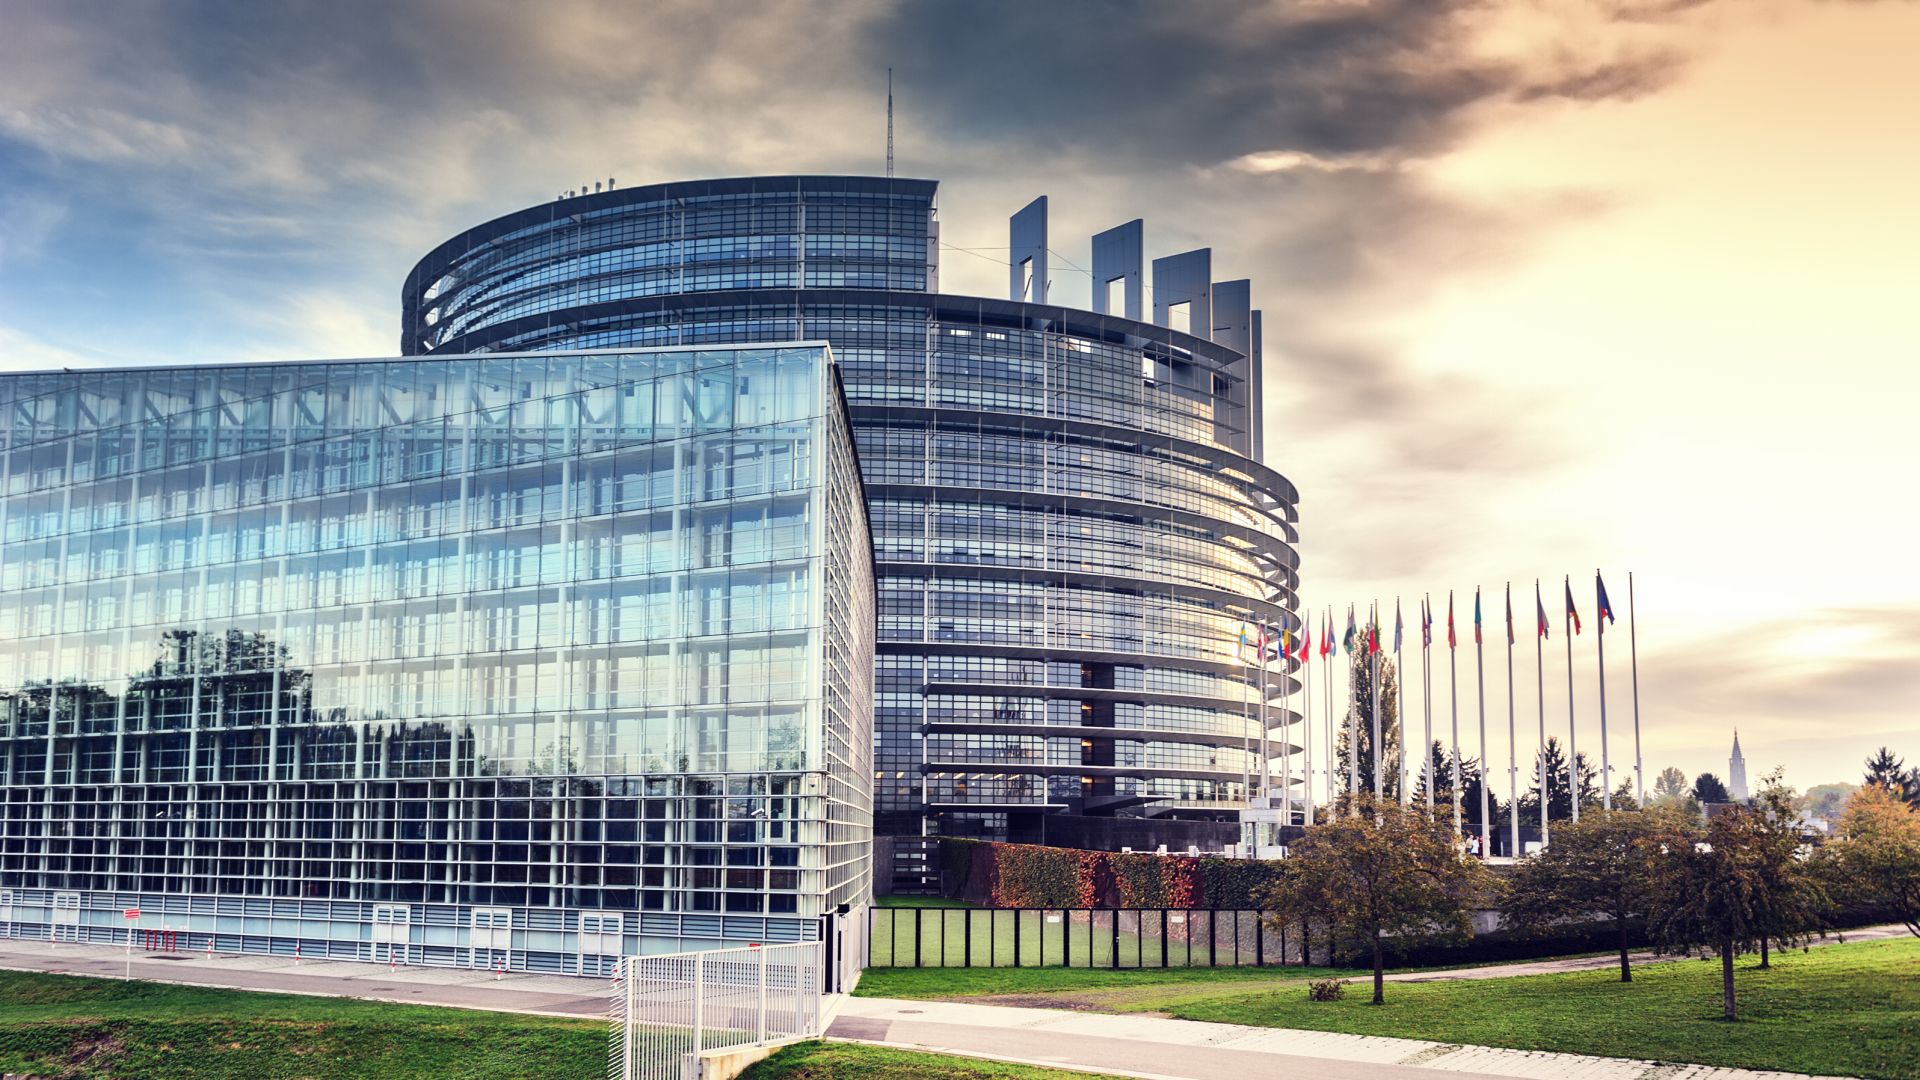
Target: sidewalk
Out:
[520,992]
[1163,1049]
[1610,961]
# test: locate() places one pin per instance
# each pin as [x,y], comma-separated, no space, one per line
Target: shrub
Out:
[1326,990]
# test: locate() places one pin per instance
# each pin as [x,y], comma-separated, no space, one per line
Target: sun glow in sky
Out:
[1549,284]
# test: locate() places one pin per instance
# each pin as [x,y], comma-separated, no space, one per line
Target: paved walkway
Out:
[1163,1049]
[1611,960]
[546,995]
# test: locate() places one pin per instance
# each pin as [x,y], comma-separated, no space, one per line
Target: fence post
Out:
[699,1000]
[762,1008]
[966,941]
[1260,943]
[1213,937]
[1163,937]
[813,1027]
[1016,937]
[1066,939]
[1116,940]
[626,1036]
[919,923]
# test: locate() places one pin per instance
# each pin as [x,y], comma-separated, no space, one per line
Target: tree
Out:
[1891,773]
[1559,795]
[1707,788]
[1875,856]
[1386,877]
[1827,801]
[1624,796]
[1716,892]
[1359,722]
[1670,785]
[1604,865]
[1790,900]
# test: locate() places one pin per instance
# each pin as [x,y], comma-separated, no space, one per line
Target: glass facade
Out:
[1068,533]
[519,660]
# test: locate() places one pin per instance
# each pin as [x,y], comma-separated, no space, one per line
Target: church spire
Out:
[1737,771]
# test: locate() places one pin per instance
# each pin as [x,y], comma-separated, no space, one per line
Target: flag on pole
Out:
[1246,639]
[1426,622]
[1306,642]
[1326,634]
[1509,613]
[1352,638]
[1453,641]
[1541,606]
[1396,624]
[1606,609]
[1476,616]
[1572,612]
[1373,635]
[1286,641]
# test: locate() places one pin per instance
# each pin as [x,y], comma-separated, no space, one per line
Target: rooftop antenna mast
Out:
[889,121]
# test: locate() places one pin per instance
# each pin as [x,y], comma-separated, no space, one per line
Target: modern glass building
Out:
[1071,517]
[507,660]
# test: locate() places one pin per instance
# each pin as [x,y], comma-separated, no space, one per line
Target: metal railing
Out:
[1076,937]
[667,1010]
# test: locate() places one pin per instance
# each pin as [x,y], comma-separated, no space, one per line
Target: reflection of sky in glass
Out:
[550,566]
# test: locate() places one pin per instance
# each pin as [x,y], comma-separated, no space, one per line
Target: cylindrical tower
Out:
[1067,547]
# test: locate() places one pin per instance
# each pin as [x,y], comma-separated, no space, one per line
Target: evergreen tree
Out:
[1437,774]
[1708,788]
[1359,723]
[1891,773]
[1559,796]
[1624,797]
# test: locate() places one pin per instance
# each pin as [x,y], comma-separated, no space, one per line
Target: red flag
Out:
[1453,642]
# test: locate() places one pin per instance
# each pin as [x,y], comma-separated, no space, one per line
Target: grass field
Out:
[65,1026]
[839,1061]
[1108,990]
[1840,1009]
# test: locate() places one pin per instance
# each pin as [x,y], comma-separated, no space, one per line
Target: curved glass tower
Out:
[1072,528]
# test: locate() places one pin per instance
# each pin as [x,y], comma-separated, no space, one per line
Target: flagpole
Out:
[1600,640]
[1453,691]
[1400,707]
[1266,752]
[1306,725]
[1513,740]
[1328,768]
[1353,729]
[1633,646]
[1379,759]
[1426,698]
[1573,730]
[1480,673]
[1540,678]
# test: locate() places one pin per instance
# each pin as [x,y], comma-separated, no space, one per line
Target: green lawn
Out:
[1839,1009]
[1107,990]
[66,1026]
[840,1061]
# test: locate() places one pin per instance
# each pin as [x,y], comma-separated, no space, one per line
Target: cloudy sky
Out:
[1549,285]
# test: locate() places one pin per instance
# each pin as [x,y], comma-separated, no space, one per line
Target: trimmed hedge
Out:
[1027,875]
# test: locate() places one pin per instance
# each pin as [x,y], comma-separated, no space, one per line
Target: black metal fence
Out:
[1074,937]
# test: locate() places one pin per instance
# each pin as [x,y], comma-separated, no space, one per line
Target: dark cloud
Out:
[1202,83]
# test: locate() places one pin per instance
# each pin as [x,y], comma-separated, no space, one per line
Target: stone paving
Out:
[1195,1050]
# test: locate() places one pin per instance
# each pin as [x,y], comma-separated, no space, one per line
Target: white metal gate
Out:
[669,1009]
